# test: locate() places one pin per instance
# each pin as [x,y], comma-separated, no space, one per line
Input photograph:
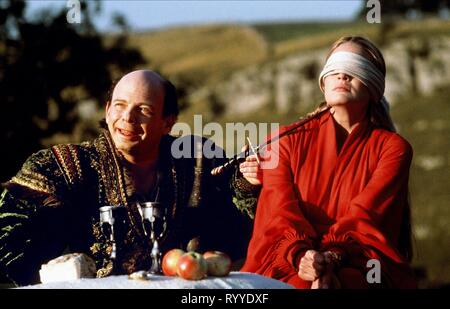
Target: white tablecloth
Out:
[236,280]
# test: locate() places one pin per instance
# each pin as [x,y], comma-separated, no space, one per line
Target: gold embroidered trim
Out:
[69,161]
[34,181]
[118,171]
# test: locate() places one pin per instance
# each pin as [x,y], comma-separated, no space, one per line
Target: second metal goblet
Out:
[154,220]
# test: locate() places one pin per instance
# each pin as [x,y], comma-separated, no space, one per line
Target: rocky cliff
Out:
[419,65]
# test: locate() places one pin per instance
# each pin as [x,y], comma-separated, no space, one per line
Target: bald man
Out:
[53,204]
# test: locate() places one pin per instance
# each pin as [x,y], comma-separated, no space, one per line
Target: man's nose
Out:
[129,115]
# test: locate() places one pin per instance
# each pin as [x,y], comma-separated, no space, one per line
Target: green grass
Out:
[424,122]
[276,33]
[203,53]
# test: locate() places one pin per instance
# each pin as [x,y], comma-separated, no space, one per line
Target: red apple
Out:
[170,260]
[192,266]
[219,263]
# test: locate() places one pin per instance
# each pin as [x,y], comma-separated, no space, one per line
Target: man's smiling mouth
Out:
[128,134]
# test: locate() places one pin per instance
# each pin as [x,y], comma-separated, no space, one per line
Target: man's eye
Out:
[146,111]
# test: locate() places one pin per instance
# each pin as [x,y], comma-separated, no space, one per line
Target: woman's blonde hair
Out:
[379,116]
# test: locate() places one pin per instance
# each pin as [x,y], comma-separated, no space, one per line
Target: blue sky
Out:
[147,14]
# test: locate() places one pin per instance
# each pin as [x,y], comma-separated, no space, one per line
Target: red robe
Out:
[316,198]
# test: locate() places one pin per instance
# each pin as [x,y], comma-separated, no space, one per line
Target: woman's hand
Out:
[312,265]
[319,268]
[327,281]
[251,169]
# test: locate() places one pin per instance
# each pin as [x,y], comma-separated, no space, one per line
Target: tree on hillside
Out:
[46,67]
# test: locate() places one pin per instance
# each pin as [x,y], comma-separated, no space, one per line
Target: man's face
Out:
[134,117]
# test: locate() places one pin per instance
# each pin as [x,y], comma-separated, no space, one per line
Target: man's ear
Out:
[169,121]
[108,105]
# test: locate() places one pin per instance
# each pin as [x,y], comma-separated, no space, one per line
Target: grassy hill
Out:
[204,53]
[207,54]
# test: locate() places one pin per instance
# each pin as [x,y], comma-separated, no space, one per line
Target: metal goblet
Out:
[154,220]
[107,227]
[110,216]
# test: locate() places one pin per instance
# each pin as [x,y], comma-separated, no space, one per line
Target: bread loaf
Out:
[68,267]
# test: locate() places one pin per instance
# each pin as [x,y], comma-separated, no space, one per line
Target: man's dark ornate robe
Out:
[52,206]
